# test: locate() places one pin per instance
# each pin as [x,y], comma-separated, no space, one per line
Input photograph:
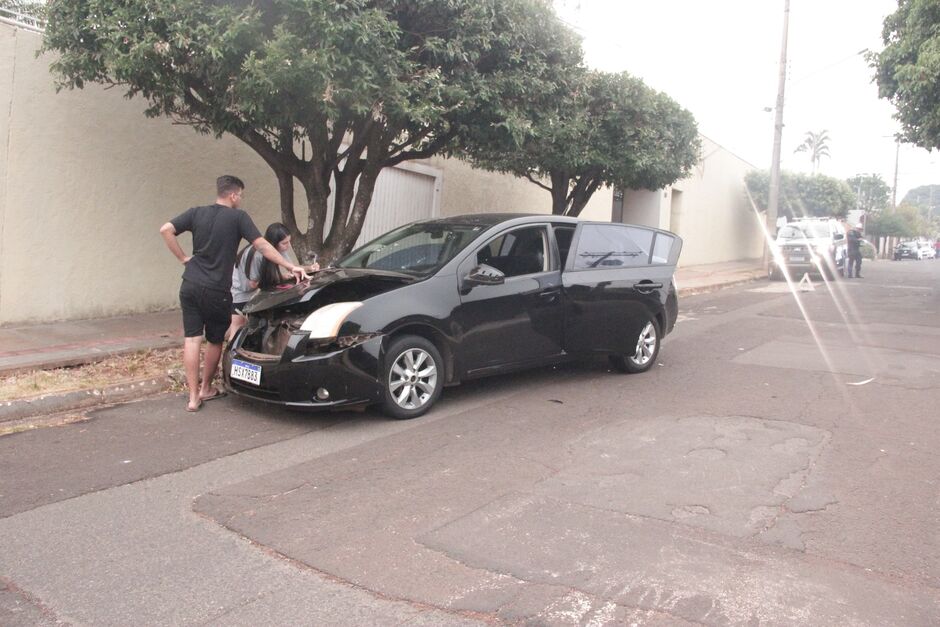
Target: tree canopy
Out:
[816,145]
[926,198]
[903,221]
[324,91]
[871,192]
[593,129]
[908,69]
[803,195]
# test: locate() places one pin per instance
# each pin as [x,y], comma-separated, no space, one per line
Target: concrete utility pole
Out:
[894,187]
[774,196]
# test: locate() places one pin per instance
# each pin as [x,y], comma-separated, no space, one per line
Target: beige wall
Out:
[708,209]
[86,181]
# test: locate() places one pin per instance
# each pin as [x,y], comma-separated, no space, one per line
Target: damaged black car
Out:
[442,301]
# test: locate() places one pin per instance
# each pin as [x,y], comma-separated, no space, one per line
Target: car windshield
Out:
[791,231]
[419,249]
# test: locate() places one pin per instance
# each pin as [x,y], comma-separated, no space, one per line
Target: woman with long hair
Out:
[253,272]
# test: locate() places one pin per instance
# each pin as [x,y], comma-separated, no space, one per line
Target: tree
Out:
[871,192]
[903,221]
[926,198]
[817,145]
[594,129]
[323,90]
[803,195]
[906,70]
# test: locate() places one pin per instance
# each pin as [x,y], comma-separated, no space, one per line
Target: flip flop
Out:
[218,394]
[194,409]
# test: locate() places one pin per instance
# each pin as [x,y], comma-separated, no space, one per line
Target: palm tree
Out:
[817,145]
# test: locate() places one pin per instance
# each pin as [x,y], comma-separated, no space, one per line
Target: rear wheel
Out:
[644,356]
[413,377]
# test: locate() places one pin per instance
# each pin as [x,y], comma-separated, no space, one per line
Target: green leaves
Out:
[907,71]
[590,129]
[803,195]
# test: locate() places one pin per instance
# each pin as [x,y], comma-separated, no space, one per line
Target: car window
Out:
[518,252]
[662,247]
[606,246]
[418,249]
[563,237]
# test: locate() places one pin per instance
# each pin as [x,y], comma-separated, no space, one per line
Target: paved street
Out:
[767,470]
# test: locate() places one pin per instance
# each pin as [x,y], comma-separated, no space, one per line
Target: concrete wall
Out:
[86,181]
[708,209]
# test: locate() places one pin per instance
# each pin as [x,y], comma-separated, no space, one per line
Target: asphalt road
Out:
[776,466]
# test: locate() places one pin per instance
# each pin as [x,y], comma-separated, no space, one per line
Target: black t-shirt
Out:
[216,230]
[854,240]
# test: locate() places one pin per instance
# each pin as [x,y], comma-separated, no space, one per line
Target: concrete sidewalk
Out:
[74,342]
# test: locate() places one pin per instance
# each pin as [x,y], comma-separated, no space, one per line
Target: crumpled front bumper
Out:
[350,375]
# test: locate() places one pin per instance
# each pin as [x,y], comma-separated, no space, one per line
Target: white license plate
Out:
[246,372]
[797,258]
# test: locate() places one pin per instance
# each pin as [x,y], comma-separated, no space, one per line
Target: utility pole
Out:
[774,195]
[894,188]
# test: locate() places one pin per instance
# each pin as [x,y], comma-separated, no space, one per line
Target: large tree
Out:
[926,198]
[323,90]
[871,192]
[593,129]
[803,195]
[908,69]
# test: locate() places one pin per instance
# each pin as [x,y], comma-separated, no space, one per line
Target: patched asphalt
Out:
[765,470]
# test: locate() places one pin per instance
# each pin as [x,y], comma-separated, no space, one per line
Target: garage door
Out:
[403,194]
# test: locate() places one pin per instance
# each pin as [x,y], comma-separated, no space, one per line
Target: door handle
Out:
[647,285]
[550,293]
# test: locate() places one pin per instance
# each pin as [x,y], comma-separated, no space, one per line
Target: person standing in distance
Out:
[205,292]
[853,262]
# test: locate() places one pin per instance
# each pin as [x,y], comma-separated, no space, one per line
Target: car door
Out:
[617,278]
[519,321]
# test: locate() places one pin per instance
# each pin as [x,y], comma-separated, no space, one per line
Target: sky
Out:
[720,59]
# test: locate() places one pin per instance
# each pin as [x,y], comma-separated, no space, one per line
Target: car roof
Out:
[492,219]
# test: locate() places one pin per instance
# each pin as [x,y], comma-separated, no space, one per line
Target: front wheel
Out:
[644,356]
[413,377]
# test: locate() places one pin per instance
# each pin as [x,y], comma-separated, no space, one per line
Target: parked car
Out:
[814,245]
[927,251]
[908,250]
[442,301]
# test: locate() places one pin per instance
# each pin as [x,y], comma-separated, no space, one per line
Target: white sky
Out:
[720,60]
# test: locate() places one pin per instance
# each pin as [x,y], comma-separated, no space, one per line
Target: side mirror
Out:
[838,237]
[485,275]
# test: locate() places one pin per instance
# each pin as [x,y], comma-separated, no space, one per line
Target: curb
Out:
[705,289]
[80,399]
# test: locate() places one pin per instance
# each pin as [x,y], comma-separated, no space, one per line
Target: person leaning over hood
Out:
[205,292]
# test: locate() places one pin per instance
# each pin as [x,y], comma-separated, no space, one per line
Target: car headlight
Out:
[324,323]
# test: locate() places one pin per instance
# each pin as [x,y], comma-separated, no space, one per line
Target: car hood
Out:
[329,286]
[814,241]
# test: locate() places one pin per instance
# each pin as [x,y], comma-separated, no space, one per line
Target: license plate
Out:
[797,258]
[244,371]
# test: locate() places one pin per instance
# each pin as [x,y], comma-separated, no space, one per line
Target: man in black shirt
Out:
[205,294]
[853,262]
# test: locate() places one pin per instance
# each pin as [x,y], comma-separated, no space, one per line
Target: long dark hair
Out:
[269,274]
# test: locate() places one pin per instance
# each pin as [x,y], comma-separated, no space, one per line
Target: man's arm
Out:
[270,253]
[168,231]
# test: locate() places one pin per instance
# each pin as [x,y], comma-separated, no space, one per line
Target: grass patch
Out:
[151,364]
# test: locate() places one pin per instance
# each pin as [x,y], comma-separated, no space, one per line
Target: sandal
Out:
[218,394]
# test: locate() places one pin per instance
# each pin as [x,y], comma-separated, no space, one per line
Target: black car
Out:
[907,250]
[438,302]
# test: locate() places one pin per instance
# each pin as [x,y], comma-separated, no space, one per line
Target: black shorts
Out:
[237,308]
[205,310]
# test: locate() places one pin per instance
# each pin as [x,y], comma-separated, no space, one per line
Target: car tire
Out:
[412,377]
[647,350]
[774,273]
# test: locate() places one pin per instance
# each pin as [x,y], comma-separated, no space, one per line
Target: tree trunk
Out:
[560,184]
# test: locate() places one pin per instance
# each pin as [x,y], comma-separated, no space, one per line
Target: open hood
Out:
[329,286]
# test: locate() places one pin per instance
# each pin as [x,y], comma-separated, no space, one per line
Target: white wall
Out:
[712,215]
[86,180]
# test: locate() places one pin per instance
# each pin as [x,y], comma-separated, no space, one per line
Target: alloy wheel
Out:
[645,345]
[413,378]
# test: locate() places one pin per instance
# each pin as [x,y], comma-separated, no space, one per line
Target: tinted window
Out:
[563,236]
[662,246]
[522,251]
[603,246]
